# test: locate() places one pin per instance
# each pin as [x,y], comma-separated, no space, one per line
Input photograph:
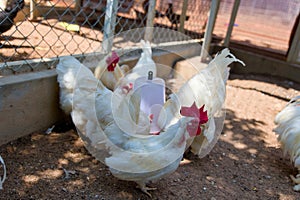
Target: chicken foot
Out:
[297,181]
[144,188]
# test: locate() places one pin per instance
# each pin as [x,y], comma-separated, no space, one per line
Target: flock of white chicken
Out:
[106,110]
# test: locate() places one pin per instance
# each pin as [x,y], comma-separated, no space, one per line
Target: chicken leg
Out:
[296,180]
[142,186]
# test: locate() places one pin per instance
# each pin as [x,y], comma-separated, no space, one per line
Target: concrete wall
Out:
[28,102]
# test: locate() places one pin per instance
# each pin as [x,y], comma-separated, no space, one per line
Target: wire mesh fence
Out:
[52,28]
[45,29]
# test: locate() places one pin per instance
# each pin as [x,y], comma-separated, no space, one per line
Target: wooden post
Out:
[150,18]
[109,24]
[209,29]
[231,22]
[183,16]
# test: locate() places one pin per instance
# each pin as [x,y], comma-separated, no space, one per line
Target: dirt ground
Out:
[246,163]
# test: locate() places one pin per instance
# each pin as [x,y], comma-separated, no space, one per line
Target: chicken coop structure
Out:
[45,30]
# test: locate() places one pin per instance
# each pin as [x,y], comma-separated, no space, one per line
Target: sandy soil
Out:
[246,163]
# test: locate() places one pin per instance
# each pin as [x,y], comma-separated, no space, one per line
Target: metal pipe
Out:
[231,22]
[150,18]
[294,49]
[209,29]
[183,16]
[33,10]
[109,24]
[78,4]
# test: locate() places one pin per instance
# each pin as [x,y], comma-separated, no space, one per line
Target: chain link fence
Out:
[44,30]
[47,29]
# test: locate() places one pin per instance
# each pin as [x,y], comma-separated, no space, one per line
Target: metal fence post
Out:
[183,15]
[33,11]
[109,24]
[294,49]
[231,22]
[78,4]
[209,29]
[150,18]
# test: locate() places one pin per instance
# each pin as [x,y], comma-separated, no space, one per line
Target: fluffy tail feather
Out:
[67,69]
[145,63]
[208,88]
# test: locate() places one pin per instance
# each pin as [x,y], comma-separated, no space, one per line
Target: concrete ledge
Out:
[28,102]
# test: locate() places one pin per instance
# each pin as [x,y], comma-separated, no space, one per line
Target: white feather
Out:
[208,87]
[288,131]
[144,64]
[116,133]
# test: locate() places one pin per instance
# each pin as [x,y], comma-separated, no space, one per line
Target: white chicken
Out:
[144,64]
[288,131]
[4,173]
[139,157]
[109,71]
[208,88]
[66,79]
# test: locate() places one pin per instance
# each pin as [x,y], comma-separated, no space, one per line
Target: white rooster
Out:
[144,157]
[288,130]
